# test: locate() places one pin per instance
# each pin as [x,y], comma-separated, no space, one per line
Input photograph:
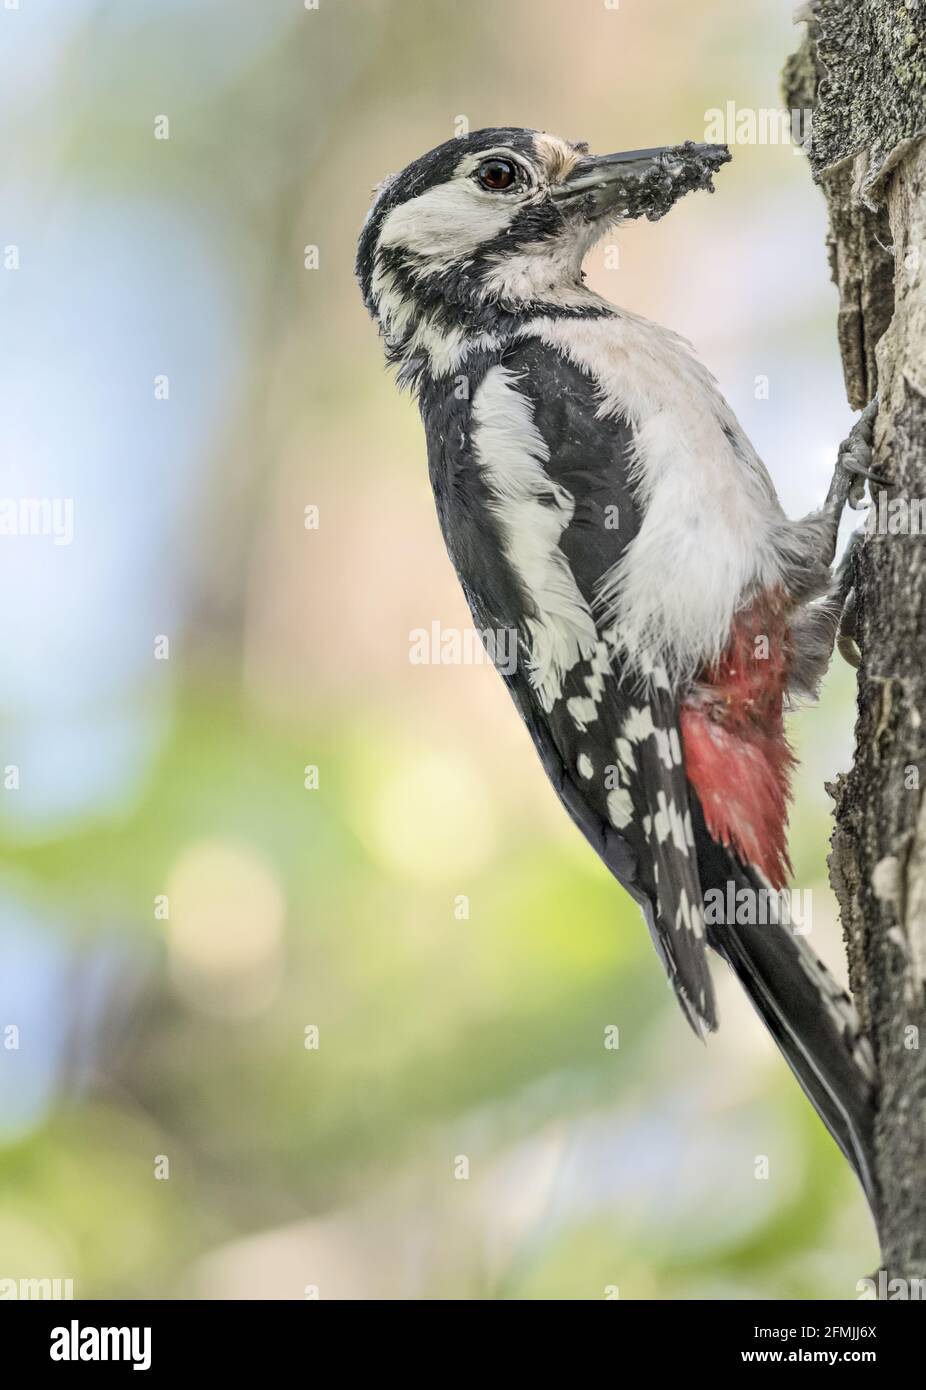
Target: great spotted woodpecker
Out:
[598,496]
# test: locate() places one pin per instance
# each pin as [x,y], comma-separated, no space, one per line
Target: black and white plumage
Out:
[598,496]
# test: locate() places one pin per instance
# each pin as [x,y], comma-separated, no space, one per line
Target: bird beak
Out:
[639,182]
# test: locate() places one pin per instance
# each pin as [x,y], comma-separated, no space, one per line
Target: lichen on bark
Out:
[862,71]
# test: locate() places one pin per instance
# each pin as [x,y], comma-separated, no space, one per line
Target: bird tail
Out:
[811,1018]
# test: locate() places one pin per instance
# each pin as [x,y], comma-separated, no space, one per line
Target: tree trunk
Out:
[861,71]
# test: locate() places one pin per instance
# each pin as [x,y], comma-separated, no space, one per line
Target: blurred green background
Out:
[134,1029]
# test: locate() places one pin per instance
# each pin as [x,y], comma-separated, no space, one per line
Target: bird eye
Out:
[497,174]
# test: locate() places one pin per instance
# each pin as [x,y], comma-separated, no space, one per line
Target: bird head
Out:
[492,224]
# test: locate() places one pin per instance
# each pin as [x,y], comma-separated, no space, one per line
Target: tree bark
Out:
[861,71]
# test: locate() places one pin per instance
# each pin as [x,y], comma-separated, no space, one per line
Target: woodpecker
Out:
[599,499]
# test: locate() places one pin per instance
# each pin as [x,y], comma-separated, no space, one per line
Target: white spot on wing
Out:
[639,724]
[620,807]
[583,711]
[688,915]
[668,822]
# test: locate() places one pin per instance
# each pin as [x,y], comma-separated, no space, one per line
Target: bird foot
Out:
[853,461]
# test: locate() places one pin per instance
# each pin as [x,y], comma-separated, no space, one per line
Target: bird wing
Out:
[609,741]
[628,761]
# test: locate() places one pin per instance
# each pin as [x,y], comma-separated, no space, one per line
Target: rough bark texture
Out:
[861,71]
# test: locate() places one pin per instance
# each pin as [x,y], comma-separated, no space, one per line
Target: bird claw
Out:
[847,638]
[856,468]
[853,460]
[844,594]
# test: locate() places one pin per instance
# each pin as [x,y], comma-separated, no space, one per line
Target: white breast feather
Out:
[711,520]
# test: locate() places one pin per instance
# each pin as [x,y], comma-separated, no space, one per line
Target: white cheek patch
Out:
[446,223]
